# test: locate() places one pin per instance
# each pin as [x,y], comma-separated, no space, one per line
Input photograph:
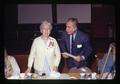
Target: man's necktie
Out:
[72,45]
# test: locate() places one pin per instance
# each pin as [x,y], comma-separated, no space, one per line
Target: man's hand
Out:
[77,58]
[65,55]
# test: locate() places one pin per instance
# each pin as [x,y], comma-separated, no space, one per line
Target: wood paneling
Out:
[22,62]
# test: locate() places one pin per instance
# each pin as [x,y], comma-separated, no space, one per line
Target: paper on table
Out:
[55,74]
[23,76]
[13,77]
[68,55]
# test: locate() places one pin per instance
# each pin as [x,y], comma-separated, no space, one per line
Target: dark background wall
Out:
[18,37]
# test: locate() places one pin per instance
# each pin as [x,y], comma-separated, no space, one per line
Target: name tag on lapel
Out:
[79,46]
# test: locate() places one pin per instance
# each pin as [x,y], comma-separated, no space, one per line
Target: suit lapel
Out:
[76,38]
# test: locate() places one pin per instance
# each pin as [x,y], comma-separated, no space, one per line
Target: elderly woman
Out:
[45,52]
[10,65]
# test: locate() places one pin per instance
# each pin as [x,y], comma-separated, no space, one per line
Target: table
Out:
[64,76]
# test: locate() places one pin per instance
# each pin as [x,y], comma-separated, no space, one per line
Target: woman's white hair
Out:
[44,23]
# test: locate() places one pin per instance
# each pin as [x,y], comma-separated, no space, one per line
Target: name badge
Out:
[79,46]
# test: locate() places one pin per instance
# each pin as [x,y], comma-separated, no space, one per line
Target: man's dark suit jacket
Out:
[81,47]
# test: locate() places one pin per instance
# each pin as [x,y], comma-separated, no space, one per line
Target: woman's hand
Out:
[27,71]
[55,68]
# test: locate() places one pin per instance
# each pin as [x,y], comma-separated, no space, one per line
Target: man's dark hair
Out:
[75,20]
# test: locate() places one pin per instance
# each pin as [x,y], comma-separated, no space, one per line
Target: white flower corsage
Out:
[51,44]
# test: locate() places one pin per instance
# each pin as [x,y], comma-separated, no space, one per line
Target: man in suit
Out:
[76,43]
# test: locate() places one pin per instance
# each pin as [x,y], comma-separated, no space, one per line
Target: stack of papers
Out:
[54,75]
[67,54]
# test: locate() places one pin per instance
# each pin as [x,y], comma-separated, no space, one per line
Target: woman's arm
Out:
[58,56]
[31,57]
